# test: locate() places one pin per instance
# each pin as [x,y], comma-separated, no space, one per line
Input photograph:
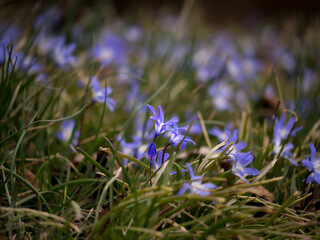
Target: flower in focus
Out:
[176,138]
[160,125]
[234,148]
[313,165]
[66,132]
[239,168]
[196,185]
[152,153]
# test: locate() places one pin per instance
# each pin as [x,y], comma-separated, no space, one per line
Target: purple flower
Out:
[62,53]
[221,94]
[220,134]
[284,129]
[234,148]
[239,168]
[313,165]
[101,95]
[281,132]
[157,164]
[196,187]
[152,153]
[160,125]
[286,151]
[176,138]
[66,132]
[110,50]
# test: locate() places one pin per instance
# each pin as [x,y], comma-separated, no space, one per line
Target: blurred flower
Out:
[66,132]
[220,134]
[62,54]
[110,50]
[101,95]
[282,130]
[221,94]
[313,165]
[196,186]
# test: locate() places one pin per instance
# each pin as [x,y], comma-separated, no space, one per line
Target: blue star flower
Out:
[152,153]
[284,129]
[176,138]
[160,125]
[313,165]
[196,186]
[234,149]
[220,134]
[241,160]
[62,53]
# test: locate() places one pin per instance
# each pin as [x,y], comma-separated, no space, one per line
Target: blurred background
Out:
[212,12]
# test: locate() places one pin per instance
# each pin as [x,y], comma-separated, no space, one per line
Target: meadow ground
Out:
[158,128]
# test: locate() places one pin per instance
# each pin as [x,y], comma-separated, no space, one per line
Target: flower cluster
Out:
[162,126]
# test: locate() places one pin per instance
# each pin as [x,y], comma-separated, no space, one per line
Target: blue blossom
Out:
[176,138]
[235,148]
[196,186]
[313,165]
[66,132]
[136,148]
[101,95]
[220,134]
[152,153]
[160,125]
[62,54]
[284,129]
[221,94]
[158,163]
[286,151]
[110,50]
[240,163]
[281,132]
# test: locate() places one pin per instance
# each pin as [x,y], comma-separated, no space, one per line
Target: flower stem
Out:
[164,151]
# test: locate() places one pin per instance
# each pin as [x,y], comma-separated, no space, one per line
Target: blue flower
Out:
[313,165]
[239,168]
[62,53]
[221,94]
[176,138]
[110,50]
[101,95]
[160,125]
[281,132]
[284,129]
[157,164]
[196,185]
[220,134]
[234,149]
[152,153]
[286,151]
[66,132]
